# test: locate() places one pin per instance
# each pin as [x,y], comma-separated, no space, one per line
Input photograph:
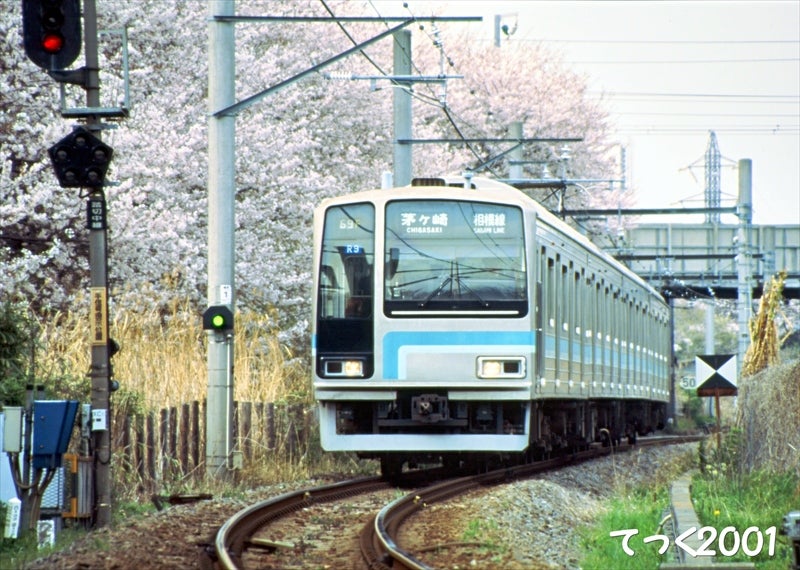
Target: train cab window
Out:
[454,258]
[346,264]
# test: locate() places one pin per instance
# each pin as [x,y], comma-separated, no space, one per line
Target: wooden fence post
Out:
[186,441]
[158,447]
[270,426]
[246,428]
[196,438]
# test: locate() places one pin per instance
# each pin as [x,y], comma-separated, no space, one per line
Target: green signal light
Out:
[218,318]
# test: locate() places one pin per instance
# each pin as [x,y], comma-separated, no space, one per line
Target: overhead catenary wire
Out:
[428,99]
[446,109]
[683,61]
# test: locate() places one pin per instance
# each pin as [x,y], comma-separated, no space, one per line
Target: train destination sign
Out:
[452,219]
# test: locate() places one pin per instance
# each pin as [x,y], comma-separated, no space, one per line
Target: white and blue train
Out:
[452,323]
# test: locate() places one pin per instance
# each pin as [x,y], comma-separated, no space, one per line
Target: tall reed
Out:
[162,360]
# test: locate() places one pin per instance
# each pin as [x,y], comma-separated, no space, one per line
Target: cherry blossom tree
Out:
[313,139]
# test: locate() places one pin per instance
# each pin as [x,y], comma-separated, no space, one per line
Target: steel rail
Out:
[379,546]
[232,537]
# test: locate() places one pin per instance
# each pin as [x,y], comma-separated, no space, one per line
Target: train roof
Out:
[480,188]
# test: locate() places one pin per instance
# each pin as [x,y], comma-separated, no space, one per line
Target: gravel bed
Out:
[533,524]
[529,524]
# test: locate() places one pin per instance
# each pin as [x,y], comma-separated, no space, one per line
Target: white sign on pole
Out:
[715,372]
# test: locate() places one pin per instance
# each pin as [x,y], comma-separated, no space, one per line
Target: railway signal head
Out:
[80,160]
[51,31]
[218,318]
[113,349]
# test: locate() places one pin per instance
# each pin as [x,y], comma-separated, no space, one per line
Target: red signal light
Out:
[51,31]
[52,43]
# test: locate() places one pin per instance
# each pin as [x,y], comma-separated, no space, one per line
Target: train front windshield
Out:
[454,258]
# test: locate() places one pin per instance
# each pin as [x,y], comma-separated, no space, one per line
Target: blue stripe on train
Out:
[394,341]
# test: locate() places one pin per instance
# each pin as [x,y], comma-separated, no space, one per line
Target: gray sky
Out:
[670,73]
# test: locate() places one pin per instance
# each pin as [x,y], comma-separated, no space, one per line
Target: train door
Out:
[562,325]
[539,325]
[549,319]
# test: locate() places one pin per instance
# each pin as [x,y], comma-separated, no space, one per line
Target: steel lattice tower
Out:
[713,168]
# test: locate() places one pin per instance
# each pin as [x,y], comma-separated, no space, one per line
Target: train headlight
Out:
[344,368]
[353,368]
[490,367]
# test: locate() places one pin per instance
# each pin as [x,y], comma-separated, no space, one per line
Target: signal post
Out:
[52,39]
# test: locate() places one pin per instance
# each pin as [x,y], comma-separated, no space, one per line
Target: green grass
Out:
[480,529]
[724,499]
[484,532]
[639,509]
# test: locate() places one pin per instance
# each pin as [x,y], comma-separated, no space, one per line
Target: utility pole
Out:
[52,40]
[745,291]
[98,265]
[100,368]
[713,195]
[402,109]
[710,344]
[515,156]
[221,251]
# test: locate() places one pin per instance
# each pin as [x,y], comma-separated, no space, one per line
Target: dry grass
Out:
[764,342]
[769,394]
[162,364]
[769,416]
[162,361]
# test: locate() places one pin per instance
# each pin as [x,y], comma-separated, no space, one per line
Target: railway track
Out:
[235,536]
[378,540]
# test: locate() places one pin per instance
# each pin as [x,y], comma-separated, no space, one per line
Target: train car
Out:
[458,318]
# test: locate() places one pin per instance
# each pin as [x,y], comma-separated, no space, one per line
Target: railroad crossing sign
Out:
[716,374]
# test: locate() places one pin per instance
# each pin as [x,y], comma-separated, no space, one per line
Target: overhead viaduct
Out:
[701,259]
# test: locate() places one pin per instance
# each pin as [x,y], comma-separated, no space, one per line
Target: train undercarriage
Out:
[487,431]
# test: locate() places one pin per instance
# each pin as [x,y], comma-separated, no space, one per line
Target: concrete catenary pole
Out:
[402,108]
[710,344]
[515,156]
[745,291]
[221,179]
[713,161]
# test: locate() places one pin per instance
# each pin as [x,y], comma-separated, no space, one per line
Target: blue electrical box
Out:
[52,428]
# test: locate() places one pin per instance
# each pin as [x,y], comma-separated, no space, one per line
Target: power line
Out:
[793,98]
[448,111]
[657,42]
[706,115]
[775,130]
[682,61]
[428,99]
